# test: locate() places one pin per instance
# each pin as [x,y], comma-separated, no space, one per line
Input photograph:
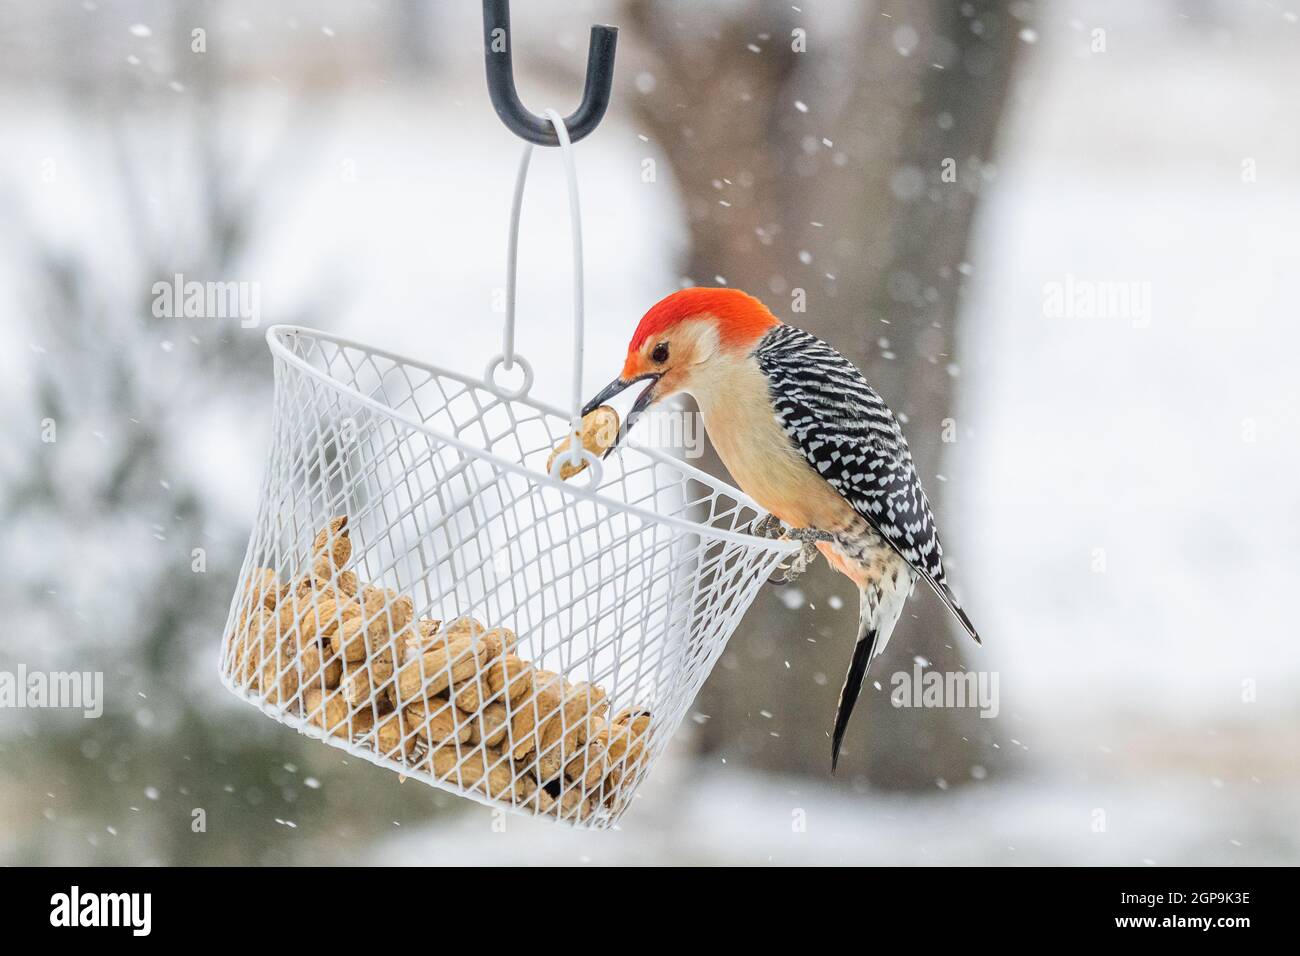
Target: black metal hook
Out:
[505,98]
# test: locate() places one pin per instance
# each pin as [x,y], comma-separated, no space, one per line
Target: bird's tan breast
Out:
[742,425]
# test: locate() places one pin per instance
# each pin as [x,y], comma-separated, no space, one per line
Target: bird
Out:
[806,437]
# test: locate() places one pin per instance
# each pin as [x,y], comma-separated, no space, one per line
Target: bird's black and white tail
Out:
[878,612]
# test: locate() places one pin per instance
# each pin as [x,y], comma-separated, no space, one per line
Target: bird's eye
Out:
[660,354]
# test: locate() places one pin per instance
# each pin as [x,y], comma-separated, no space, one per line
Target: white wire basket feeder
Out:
[421,592]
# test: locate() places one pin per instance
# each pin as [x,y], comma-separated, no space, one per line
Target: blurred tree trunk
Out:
[846,175]
[412,37]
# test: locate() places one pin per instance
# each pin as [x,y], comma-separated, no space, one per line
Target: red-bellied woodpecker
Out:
[806,437]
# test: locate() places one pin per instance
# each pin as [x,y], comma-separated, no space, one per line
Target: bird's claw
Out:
[785,573]
[770,526]
[808,536]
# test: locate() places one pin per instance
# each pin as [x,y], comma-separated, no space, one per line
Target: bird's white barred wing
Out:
[846,431]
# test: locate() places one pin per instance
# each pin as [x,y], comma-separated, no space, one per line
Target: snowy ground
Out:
[738,819]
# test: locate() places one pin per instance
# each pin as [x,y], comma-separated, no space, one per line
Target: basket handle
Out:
[508,358]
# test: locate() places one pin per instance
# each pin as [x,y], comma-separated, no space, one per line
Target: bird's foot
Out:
[785,573]
[768,526]
[809,536]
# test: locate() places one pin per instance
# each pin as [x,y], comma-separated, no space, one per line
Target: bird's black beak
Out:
[619,385]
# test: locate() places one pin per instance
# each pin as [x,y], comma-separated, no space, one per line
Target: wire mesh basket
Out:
[422,591]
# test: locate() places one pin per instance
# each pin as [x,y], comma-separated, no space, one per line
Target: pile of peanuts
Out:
[452,699]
